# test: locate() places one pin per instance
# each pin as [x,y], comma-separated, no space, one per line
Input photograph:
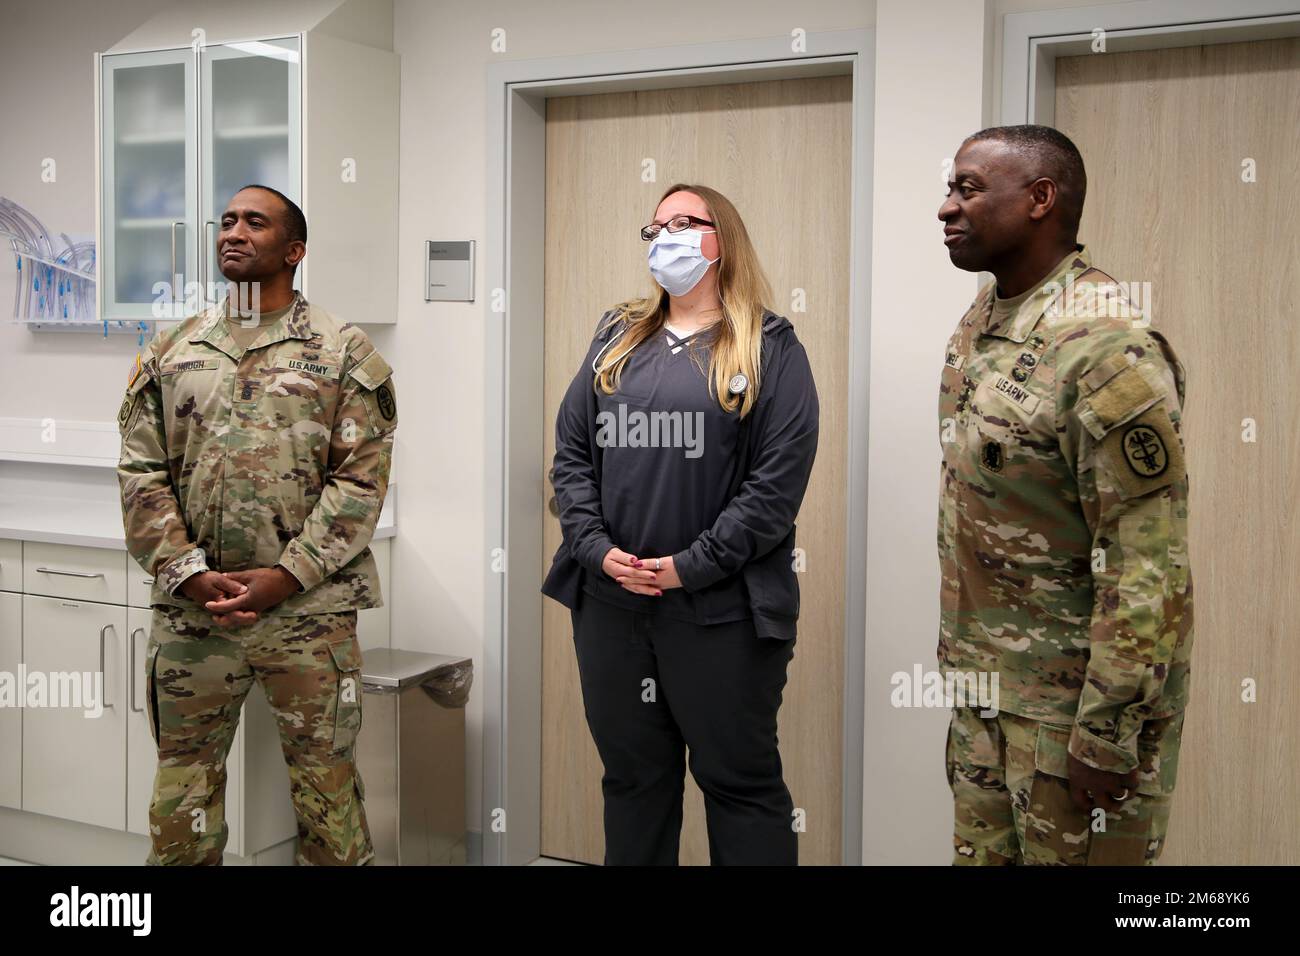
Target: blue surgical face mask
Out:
[676,261]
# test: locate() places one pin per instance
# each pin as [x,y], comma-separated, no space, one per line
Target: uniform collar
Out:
[1017,325]
[294,324]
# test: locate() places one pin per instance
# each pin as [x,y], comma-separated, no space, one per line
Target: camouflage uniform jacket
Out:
[278,454]
[1063,512]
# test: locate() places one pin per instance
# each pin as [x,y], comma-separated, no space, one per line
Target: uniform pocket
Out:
[1067,834]
[1052,751]
[1057,833]
[151,689]
[346,656]
[974,741]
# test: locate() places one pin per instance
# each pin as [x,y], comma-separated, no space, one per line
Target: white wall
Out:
[928,98]
[47,111]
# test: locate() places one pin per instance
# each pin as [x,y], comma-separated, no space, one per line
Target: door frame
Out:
[517,91]
[1032,41]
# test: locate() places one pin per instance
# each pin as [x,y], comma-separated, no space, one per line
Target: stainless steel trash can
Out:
[411,755]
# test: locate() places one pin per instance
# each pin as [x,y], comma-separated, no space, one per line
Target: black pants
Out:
[653,687]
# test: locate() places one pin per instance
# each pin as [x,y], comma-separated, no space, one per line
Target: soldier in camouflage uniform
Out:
[255,460]
[1062,527]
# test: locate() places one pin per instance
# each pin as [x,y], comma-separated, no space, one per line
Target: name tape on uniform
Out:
[1016,394]
[316,368]
[194,365]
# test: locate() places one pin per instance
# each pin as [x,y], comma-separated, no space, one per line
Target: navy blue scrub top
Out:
[657,500]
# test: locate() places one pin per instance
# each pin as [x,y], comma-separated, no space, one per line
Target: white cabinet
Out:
[148,177]
[11,716]
[251,130]
[138,585]
[84,574]
[141,755]
[74,763]
[181,130]
[11,655]
[64,614]
[11,565]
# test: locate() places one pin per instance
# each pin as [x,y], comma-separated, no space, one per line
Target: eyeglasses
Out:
[675,224]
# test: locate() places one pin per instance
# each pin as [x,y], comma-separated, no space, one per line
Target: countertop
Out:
[97,524]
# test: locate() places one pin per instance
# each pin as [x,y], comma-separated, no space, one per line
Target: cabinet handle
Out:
[172,277]
[102,632]
[134,709]
[71,574]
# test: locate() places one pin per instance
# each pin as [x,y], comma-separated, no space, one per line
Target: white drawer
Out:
[11,565]
[71,571]
[138,585]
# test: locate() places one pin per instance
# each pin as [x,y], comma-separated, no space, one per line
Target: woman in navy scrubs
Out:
[683,449]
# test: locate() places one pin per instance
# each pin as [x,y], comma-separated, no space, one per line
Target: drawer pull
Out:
[135,709]
[102,632]
[71,574]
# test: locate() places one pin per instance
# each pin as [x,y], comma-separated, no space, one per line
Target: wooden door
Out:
[1191,158]
[781,152]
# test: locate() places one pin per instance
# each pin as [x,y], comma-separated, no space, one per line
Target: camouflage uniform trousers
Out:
[1010,785]
[197,676]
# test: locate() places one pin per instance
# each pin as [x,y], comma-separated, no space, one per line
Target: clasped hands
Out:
[1091,788]
[640,577]
[238,597]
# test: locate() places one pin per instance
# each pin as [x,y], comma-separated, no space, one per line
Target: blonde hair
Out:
[743,289]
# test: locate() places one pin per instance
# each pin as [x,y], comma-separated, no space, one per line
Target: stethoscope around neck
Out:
[736,385]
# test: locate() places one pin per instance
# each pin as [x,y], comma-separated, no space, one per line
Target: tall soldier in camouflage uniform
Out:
[255,460]
[1062,526]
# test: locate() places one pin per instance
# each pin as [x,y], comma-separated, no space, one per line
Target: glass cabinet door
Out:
[149,183]
[251,132]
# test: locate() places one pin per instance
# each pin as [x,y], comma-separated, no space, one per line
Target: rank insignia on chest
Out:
[991,455]
[247,391]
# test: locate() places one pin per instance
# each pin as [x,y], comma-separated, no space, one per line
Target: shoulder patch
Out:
[136,370]
[371,371]
[1120,396]
[1144,453]
[132,400]
[387,404]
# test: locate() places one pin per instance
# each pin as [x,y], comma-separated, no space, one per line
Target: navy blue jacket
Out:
[750,537]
